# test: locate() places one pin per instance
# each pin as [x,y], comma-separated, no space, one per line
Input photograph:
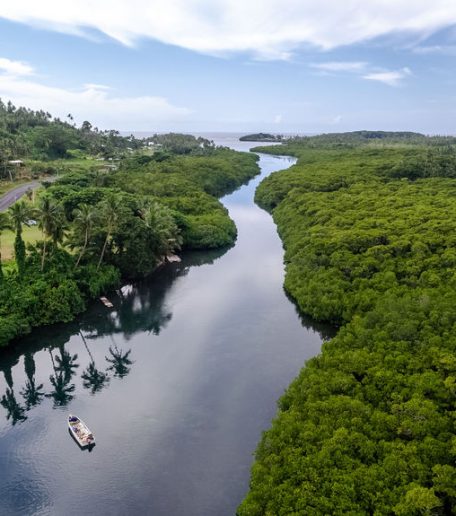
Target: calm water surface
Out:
[177,383]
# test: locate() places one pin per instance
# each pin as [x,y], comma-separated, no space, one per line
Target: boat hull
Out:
[80,432]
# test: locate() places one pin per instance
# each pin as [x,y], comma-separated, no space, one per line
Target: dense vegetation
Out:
[368,221]
[99,225]
[25,133]
[261,137]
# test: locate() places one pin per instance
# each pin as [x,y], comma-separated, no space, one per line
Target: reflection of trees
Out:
[14,411]
[93,378]
[31,393]
[62,393]
[66,363]
[325,331]
[119,361]
[140,309]
[143,307]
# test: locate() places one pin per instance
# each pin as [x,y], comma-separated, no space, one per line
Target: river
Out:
[177,383]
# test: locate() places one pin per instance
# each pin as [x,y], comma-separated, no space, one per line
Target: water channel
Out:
[177,383]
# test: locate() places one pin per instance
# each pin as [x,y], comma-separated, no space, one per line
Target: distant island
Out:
[262,137]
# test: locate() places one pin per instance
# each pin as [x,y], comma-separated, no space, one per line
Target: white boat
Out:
[80,431]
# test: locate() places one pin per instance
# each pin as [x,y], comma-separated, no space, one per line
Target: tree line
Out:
[100,226]
[368,425]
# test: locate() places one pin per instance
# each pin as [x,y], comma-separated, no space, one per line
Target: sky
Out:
[288,66]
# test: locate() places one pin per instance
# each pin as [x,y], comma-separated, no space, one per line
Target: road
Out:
[6,200]
[12,196]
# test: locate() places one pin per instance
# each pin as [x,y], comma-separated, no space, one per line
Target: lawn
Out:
[29,234]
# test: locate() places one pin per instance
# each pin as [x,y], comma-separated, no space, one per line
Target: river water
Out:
[177,383]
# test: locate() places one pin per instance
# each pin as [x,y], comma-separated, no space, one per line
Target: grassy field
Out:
[30,234]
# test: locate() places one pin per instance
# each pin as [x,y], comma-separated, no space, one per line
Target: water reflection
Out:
[137,308]
[179,379]
[32,393]
[93,378]
[119,361]
[14,410]
[62,393]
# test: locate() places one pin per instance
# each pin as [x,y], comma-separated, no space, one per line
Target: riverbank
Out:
[118,225]
[194,357]
[368,234]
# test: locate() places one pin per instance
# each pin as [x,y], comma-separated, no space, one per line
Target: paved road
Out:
[12,196]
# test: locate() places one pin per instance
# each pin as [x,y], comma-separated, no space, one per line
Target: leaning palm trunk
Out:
[103,250]
[81,254]
[43,256]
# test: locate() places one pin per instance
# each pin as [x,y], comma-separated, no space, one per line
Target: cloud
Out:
[15,68]
[449,50]
[392,78]
[92,102]
[271,30]
[340,66]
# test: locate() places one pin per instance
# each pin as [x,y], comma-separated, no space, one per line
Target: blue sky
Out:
[197,65]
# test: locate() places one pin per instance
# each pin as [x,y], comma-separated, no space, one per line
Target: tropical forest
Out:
[111,208]
[368,222]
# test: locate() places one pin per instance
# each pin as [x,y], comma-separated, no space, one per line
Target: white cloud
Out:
[15,68]
[435,49]
[392,78]
[93,102]
[340,66]
[270,30]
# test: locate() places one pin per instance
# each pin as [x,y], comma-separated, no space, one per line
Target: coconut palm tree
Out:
[20,213]
[51,222]
[162,228]
[110,217]
[5,223]
[85,218]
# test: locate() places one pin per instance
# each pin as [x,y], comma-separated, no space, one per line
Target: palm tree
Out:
[20,213]
[85,218]
[162,228]
[5,223]
[109,214]
[51,222]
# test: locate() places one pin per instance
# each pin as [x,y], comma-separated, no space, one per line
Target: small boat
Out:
[106,302]
[173,258]
[80,431]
